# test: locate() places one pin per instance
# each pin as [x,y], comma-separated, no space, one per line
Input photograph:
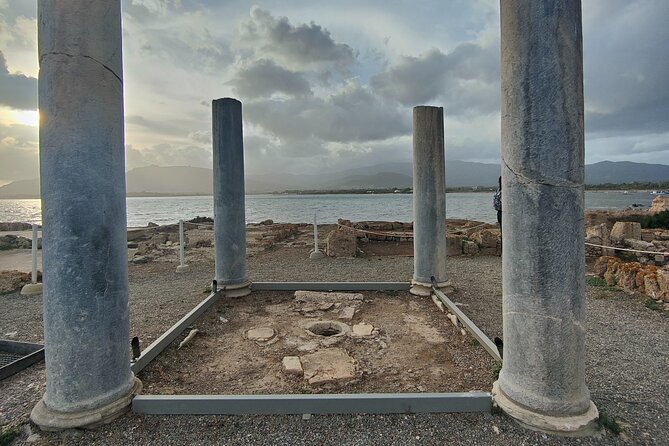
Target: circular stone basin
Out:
[327,328]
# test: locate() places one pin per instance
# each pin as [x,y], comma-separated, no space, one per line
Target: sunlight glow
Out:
[25,117]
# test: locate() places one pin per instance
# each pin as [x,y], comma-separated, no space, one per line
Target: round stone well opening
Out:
[327,328]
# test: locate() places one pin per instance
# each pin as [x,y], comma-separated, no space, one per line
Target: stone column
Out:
[86,328]
[542,382]
[429,201]
[229,200]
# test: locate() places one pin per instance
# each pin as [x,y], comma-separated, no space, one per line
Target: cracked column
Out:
[542,382]
[229,200]
[86,329]
[429,201]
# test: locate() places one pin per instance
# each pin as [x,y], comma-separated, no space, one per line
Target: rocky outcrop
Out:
[634,277]
[11,241]
[659,204]
[14,226]
[11,281]
[341,243]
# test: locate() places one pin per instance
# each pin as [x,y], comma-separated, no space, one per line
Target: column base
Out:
[30,289]
[235,290]
[183,268]
[51,420]
[570,426]
[425,289]
[315,255]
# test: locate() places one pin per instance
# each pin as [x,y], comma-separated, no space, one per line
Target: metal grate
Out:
[7,358]
[16,356]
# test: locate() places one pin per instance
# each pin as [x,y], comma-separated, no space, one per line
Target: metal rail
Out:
[173,332]
[467,323]
[370,403]
[330,286]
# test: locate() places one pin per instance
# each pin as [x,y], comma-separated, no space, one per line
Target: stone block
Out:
[487,238]
[347,313]
[469,248]
[639,244]
[651,287]
[292,366]
[602,264]
[625,230]
[659,204]
[341,243]
[454,245]
[328,365]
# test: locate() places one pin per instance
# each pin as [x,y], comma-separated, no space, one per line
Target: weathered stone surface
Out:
[322,296]
[14,226]
[659,204]
[341,243]
[625,230]
[11,241]
[328,365]
[362,330]
[487,238]
[11,281]
[292,365]
[347,313]
[261,334]
[229,198]
[82,175]
[651,286]
[602,264]
[639,244]
[454,245]
[662,278]
[469,248]
[429,200]
[542,182]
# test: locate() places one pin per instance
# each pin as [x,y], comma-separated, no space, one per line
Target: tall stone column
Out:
[542,382]
[229,200]
[86,328]
[429,200]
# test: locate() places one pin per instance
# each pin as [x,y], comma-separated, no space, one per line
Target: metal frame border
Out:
[32,353]
[370,403]
[284,404]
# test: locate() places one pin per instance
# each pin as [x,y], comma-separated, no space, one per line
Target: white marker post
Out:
[33,287]
[182,258]
[316,253]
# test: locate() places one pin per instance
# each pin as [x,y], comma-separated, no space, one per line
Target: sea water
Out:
[286,208]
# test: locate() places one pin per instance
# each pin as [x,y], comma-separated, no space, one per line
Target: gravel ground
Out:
[627,351]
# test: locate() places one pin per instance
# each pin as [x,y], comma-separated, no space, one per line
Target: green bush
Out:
[659,220]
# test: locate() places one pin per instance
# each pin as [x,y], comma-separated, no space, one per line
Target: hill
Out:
[184,180]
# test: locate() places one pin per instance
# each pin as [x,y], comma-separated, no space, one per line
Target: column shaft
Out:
[229,200]
[429,199]
[86,328]
[542,383]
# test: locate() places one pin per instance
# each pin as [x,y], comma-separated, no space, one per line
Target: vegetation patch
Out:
[653,305]
[8,434]
[607,421]
[496,368]
[659,220]
[595,281]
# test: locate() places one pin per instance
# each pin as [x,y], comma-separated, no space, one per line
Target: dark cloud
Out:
[352,114]
[466,80]
[302,45]
[626,81]
[17,90]
[263,78]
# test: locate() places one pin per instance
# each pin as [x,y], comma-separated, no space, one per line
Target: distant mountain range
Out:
[181,180]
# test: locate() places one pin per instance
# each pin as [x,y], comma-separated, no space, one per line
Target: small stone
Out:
[363,329]
[33,438]
[306,416]
[453,318]
[11,334]
[292,365]
[223,320]
[139,260]
[262,334]
[495,429]
[347,313]
[325,306]
[463,332]
[328,366]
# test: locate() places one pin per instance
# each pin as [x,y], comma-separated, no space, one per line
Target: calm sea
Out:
[301,208]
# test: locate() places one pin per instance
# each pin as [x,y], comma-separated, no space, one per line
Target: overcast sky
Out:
[330,85]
